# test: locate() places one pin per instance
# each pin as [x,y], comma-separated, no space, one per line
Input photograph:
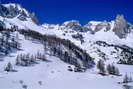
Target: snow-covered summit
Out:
[12,10]
[15,15]
[72,22]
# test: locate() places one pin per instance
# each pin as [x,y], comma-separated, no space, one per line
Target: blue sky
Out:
[58,11]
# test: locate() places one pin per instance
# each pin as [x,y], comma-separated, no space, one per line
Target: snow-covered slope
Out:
[53,74]
[16,16]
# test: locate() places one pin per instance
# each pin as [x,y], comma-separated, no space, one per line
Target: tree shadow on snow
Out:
[127,87]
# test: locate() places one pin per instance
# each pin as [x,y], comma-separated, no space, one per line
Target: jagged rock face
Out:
[94,27]
[102,25]
[14,10]
[3,11]
[33,17]
[121,27]
[2,24]
[87,27]
[23,16]
[74,25]
[9,12]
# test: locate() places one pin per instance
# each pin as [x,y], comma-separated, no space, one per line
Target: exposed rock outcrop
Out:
[121,27]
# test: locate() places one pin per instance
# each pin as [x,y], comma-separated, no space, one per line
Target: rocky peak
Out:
[73,24]
[3,11]
[120,18]
[13,10]
[121,26]
[96,26]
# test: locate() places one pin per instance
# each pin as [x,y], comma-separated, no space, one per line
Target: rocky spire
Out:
[121,26]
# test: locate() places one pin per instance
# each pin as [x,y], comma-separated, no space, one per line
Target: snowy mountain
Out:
[14,15]
[63,56]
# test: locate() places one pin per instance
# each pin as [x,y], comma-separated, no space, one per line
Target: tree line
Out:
[62,48]
[8,41]
[109,69]
[29,59]
[125,56]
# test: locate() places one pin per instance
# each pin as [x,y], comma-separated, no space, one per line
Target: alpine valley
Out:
[98,55]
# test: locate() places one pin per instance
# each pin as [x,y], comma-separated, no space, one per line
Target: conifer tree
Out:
[101,66]
[126,79]
[9,67]
[18,60]
[111,69]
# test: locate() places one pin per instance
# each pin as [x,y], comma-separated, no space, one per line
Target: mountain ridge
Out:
[118,30]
